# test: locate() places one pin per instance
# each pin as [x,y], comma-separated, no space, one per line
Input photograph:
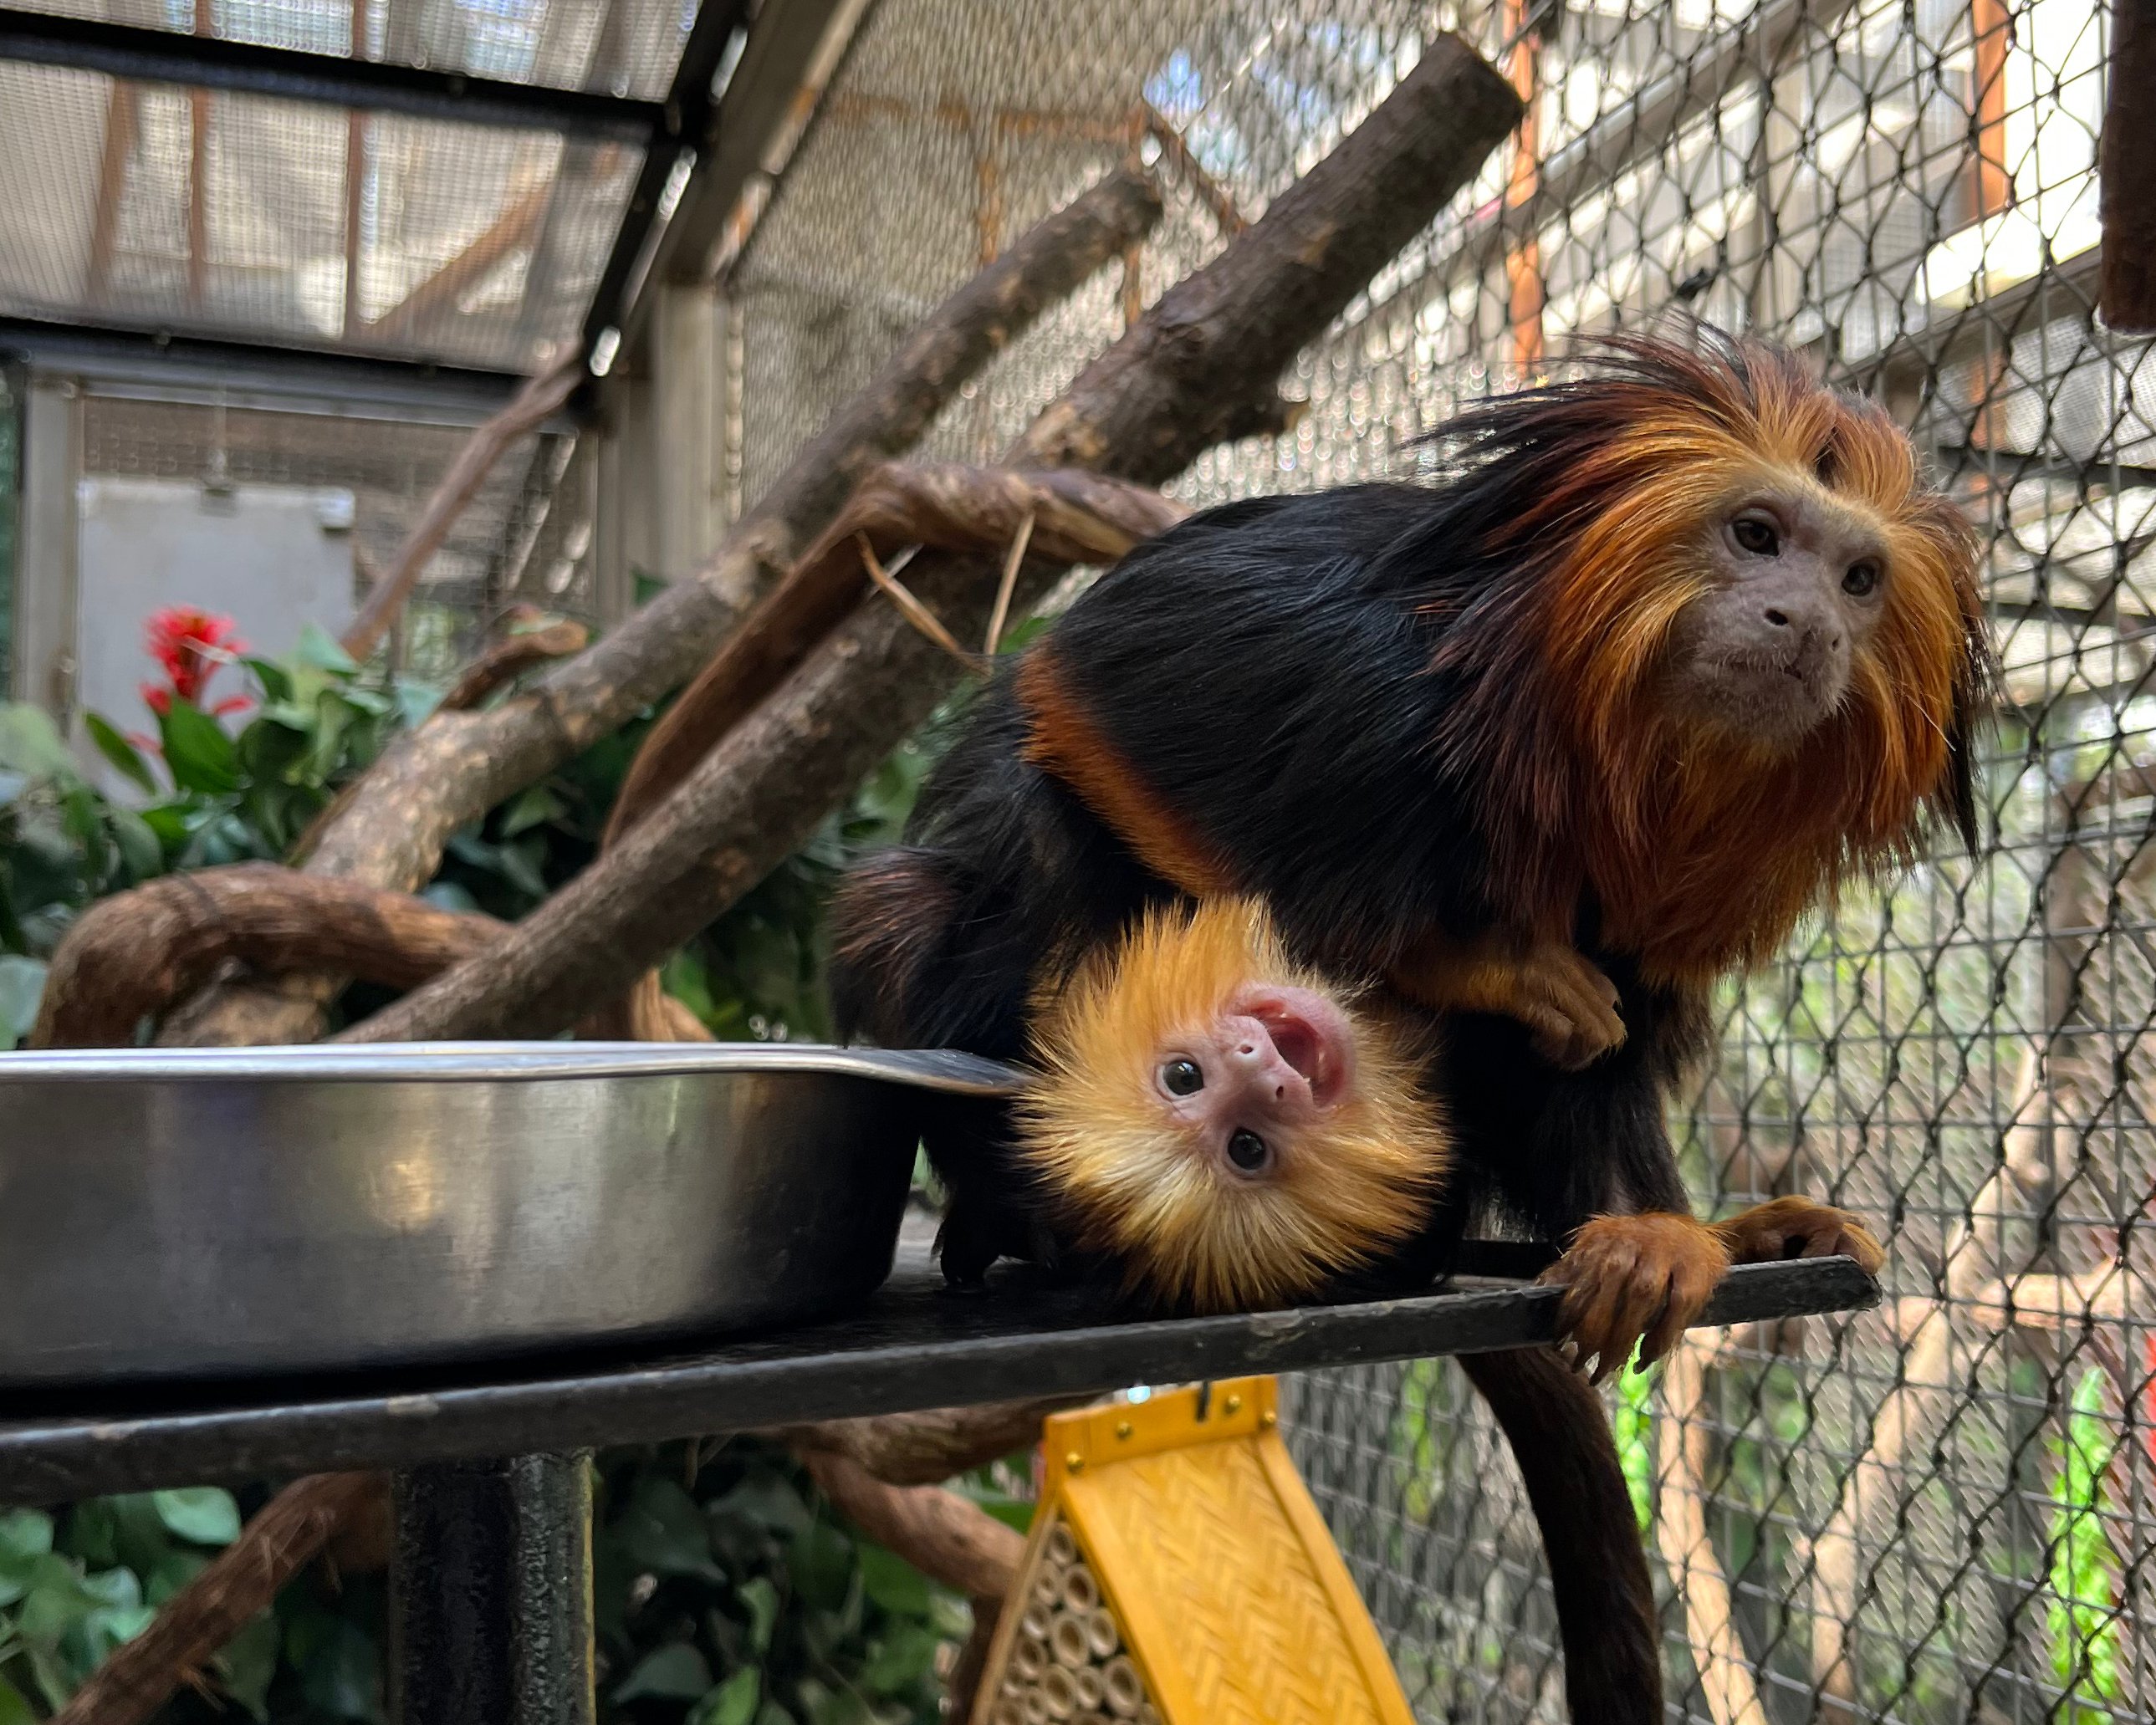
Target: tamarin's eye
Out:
[1247,1150]
[1757,535]
[1181,1078]
[1861,580]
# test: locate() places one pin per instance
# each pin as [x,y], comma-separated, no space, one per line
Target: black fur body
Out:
[1323,781]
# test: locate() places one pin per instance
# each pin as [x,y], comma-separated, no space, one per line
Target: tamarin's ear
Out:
[889,918]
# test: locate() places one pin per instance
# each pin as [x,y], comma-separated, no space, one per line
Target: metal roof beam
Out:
[152,56]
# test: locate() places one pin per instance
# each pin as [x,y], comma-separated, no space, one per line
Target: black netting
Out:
[1936,1511]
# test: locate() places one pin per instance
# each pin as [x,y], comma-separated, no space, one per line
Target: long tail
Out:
[1605,1603]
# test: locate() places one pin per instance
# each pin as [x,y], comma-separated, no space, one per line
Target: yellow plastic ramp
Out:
[1178,1572]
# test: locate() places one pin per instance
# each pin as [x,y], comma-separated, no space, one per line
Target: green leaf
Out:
[22,986]
[532,806]
[823,1563]
[448,895]
[197,753]
[769,1500]
[120,752]
[30,744]
[248,1663]
[318,650]
[14,1710]
[676,1672]
[171,1572]
[733,1703]
[25,1533]
[274,679]
[902,1660]
[170,821]
[760,1599]
[138,845]
[340,1673]
[662,1530]
[893,1582]
[205,1514]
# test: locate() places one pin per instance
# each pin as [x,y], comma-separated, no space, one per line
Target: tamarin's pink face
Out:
[1243,1088]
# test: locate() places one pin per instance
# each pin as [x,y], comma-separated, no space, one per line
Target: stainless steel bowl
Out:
[220,1212]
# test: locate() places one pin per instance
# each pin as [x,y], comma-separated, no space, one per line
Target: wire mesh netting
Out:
[525,538]
[1938,1511]
[146,207]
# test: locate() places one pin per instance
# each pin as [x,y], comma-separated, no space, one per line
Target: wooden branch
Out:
[948,1538]
[241,1582]
[505,658]
[537,401]
[510,231]
[1200,368]
[458,766]
[1175,151]
[963,1685]
[137,953]
[1078,517]
[925,1448]
[923,619]
[1726,1678]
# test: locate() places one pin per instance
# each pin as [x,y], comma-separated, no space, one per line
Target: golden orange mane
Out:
[1092,1131]
[1702,854]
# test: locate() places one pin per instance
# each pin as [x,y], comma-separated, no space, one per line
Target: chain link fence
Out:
[1938,1511]
[526,537]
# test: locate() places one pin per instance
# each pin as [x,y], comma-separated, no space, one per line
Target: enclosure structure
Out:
[1935,1511]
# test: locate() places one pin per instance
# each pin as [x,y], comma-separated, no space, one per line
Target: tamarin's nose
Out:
[1780,619]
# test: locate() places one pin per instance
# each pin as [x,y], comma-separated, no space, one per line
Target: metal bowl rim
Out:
[944,1069]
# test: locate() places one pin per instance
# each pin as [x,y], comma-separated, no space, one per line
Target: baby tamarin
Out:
[1225,1127]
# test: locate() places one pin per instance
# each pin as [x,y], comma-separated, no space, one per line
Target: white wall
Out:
[273,558]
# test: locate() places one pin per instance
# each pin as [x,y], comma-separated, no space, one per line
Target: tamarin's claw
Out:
[1630,1280]
[1785,1228]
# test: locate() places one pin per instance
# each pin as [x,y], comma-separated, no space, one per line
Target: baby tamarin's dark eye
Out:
[1247,1150]
[1181,1078]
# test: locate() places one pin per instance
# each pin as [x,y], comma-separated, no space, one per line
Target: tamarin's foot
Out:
[1629,1279]
[1797,1228]
[1646,1278]
[1568,1004]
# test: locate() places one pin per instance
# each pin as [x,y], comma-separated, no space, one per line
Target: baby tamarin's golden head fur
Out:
[1233,1130]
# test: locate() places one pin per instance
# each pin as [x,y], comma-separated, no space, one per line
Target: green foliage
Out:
[1632,1423]
[728,1595]
[2082,1617]
[75,1586]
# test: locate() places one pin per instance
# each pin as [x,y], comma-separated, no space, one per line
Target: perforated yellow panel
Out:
[1179,1569]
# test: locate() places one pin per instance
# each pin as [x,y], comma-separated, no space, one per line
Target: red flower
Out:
[190,645]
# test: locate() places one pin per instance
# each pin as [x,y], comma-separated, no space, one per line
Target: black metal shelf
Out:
[914,1345]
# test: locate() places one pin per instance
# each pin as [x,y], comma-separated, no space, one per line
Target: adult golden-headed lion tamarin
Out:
[1657,659]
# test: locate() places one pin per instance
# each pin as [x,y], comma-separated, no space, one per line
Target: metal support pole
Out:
[491,1593]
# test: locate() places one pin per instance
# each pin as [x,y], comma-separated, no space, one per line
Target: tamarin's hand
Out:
[1563,997]
[1646,1278]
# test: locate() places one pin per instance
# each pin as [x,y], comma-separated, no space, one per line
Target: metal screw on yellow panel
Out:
[1235,1405]
[1123,1429]
[1269,1419]
[1075,1462]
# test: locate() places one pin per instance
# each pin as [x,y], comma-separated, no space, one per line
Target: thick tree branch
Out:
[1077,517]
[134,954]
[506,660]
[925,1448]
[948,1538]
[537,401]
[458,766]
[1200,368]
[240,1583]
